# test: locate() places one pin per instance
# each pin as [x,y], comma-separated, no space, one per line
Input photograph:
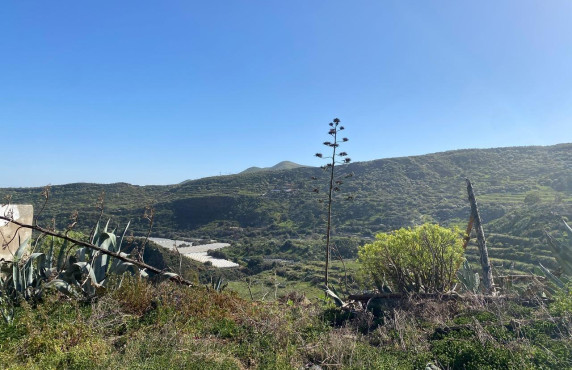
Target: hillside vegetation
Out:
[79,311]
[520,190]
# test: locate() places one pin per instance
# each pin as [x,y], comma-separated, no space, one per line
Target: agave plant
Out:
[469,280]
[23,275]
[88,271]
[218,285]
[21,278]
[78,275]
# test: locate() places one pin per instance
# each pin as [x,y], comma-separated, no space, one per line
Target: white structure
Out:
[197,252]
[11,235]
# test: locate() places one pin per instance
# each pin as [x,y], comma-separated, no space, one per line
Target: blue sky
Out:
[157,92]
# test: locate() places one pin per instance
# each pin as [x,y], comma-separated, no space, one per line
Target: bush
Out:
[217,253]
[420,259]
[562,301]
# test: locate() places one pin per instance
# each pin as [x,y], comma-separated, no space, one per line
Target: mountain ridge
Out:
[284,165]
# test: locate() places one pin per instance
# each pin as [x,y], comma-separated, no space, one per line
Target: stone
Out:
[12,235]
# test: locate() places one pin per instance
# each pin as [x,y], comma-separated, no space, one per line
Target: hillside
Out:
[275,206]
[284,165]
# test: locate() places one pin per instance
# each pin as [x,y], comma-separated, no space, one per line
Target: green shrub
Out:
[472,354]
[563,301]
[420,259]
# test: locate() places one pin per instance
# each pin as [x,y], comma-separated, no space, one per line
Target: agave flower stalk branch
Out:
[334,184]
[329,225]
[173,277]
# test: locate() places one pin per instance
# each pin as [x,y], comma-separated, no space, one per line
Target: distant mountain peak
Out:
[284,165]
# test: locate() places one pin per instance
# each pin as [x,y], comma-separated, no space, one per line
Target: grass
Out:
[306,278]
[164,326]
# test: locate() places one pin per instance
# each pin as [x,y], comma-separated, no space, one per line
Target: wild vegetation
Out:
[410,301]
[159,326]
[388,194]
[422,259]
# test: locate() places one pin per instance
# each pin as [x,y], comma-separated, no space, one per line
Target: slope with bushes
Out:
[388,194]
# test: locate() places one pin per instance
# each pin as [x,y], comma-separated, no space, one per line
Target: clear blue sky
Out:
[157,92]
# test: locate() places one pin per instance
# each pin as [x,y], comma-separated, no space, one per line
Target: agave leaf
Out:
[170,274]
[28,274]
[100,268]
[106,242]
[116,261]
[72,274]
[35,255]
[29,268]
[95,233]
[334,296]
[87,269]
[50,255]
[122,237]
[566,265]
[42,264]
[333,289]
[81,252]
[102,260]
[113,238]
[21,250]
[88,287]
[16,277]
[123,267]
[469,280]
[7,313]
[62,256]
[62,286]
[106,225]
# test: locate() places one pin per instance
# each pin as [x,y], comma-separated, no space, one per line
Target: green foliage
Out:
[88,271]
[420,259]
[388,194]
[146,325]
[532,198]
[468,278]
[562,250]
[218,285]
[472,354]
[217,253]
[563,301]
[560,284]
[84,274]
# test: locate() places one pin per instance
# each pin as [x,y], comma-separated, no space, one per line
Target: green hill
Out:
[284,165]
[275,206]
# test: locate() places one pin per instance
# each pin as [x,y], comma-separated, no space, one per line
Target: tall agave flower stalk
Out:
[334,184]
